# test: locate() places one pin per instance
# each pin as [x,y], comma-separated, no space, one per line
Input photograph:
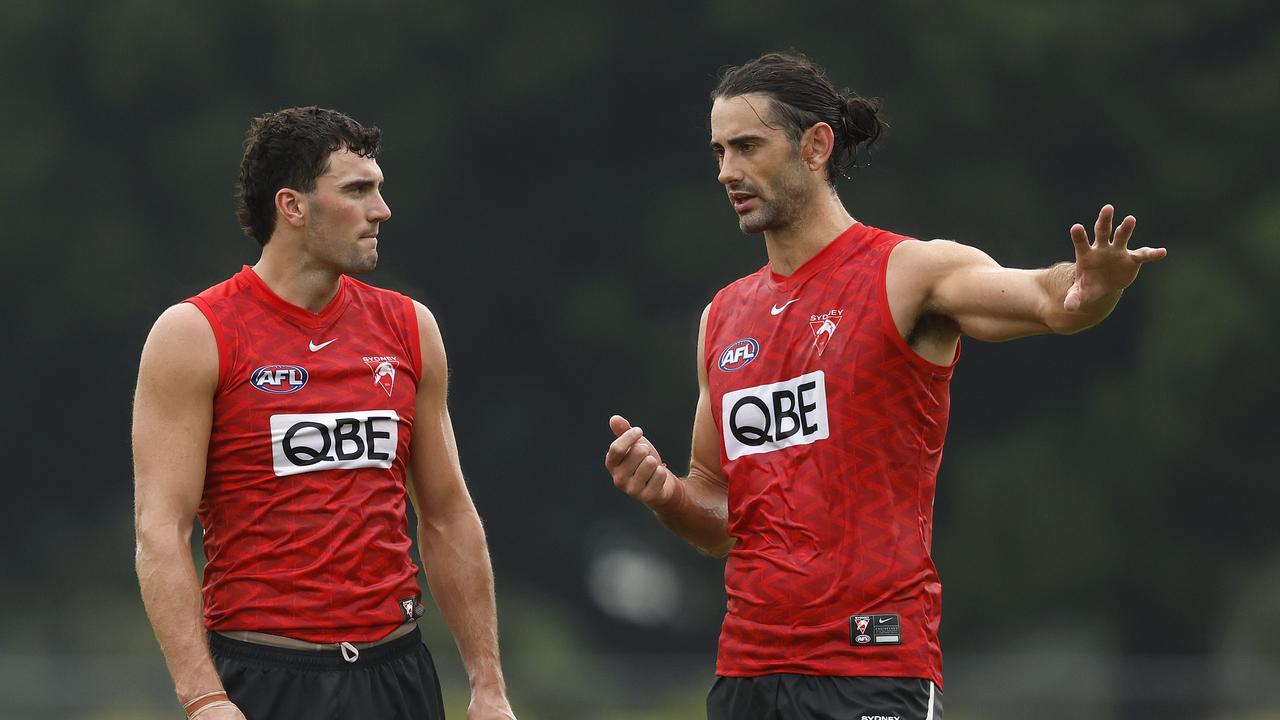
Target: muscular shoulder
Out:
[928,257]
[917,268]
[181,348]
[434,363]
[916,277]
[428,328]
[184,332]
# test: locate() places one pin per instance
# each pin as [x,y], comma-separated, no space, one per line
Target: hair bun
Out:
[862,123]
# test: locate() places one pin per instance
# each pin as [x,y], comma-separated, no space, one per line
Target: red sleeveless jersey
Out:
[304,497]
[832,431]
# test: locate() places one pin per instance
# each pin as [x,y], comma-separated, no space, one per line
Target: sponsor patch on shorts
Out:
[883,629]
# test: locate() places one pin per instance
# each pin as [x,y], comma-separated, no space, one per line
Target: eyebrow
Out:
[738,141]
[359,184]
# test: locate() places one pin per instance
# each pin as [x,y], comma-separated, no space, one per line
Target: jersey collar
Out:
[299,315]
[824,258]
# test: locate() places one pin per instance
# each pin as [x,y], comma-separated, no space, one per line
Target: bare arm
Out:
[990,302]
[450,536]
[695,507]
[172,416]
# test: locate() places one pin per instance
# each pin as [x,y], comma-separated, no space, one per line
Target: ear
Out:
[816,145]
[291,205]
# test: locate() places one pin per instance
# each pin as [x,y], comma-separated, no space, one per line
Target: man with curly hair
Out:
[295,411]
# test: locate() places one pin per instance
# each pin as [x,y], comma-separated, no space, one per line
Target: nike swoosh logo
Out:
[885,619]
[779,308]
[314,347]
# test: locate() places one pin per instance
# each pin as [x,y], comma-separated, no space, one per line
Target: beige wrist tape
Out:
[210,706]
[199,703]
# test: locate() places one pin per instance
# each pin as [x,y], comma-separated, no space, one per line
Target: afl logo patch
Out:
[279,379]
[739,354]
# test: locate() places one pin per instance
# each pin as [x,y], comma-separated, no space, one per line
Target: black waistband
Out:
[324,659]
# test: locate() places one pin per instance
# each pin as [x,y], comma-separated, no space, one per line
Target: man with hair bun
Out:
[292,409]
[822,409]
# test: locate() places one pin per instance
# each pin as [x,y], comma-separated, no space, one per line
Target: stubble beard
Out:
[344,258]
[362,262]
[789,197]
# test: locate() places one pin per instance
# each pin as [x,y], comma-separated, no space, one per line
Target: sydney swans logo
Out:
[384,371]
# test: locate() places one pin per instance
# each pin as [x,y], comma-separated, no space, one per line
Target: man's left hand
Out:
[1107,265]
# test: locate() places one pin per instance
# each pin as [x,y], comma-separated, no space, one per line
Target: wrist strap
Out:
[210,706]
[198,703]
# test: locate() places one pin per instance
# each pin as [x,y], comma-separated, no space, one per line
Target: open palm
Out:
[1106,265]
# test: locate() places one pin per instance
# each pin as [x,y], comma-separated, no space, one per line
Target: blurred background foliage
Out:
[1106,525]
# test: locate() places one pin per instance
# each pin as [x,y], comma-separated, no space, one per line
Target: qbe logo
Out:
[325,441]
[279,379]
[771,417]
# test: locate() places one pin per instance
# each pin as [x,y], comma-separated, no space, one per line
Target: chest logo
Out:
[824,328]
[777,309]
[334,441]
[772,417]
[279,379]
[384,371]
[313,347]
[739,354]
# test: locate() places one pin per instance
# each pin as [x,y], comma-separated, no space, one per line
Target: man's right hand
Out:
[637,468]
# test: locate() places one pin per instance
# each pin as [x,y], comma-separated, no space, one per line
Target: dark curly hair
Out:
[290,148]
[803,96]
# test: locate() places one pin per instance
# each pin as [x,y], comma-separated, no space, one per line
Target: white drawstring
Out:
[350,652]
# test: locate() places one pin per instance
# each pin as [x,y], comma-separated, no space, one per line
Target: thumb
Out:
[1072,301]
[619,425]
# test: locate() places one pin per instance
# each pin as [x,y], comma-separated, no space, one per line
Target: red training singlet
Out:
[304,497]
[832,431]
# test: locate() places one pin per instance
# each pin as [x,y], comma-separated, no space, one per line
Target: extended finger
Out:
[1102,228]
[1079,238]
[1125,231]
[1148,254]
[619,448]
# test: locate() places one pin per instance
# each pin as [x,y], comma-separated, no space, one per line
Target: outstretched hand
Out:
[1106,265]
[637,468]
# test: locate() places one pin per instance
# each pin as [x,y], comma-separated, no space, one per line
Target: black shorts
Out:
[813,697]
[394,681]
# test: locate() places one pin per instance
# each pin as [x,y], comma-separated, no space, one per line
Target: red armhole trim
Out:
[415,339]
[219,338]
[886,317]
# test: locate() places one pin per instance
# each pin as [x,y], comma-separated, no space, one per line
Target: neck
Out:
[298,282]
[815,226]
